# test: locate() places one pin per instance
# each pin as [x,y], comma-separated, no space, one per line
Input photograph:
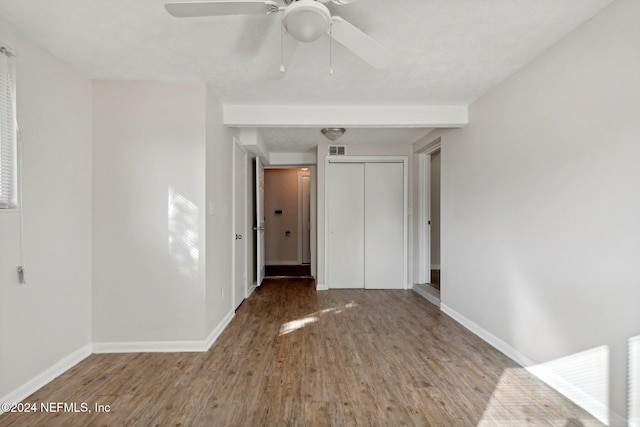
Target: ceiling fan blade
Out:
[359,43]
[220,8]
[281,57]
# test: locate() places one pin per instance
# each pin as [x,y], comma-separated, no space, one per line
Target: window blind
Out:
[8,134]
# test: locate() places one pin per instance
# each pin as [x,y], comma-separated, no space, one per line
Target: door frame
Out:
[301,175]
[424,210]
[238,193]
[259,225]
[405,216]
[313,197]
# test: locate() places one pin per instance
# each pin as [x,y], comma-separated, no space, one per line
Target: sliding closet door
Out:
[384,226]
[345,226]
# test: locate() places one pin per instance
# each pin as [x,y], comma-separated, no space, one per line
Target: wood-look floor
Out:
[296,357]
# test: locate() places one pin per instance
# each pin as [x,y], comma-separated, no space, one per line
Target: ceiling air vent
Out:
[337,150]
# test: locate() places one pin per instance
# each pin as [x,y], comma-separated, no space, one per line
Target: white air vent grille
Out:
[337,150]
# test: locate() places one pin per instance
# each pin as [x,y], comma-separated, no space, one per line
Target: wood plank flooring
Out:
[296,357]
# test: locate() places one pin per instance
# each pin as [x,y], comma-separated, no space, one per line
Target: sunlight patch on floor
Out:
[582,377]
[513,403]
[294,325]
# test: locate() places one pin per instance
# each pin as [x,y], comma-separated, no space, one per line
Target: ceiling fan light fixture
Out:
[333,133]
[306,20]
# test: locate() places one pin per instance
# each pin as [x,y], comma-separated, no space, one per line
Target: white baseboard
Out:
[571,392]
[77,356]
[149,347]
[321,287]
[165,346]
[435,266]
[491,339]
[251,289]
[213,336]
[57,369]
[428,293]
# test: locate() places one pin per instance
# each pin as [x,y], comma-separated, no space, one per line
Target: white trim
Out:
[245,225]
[321,287]
[431,147]
[215,334]
[571,392]
[233,224]
[488,337]
[251,289]
[259,214]
[47,376]
[313,211]
[435,266]
[424,209]
[165,346]
[424,216]
[300,175]
[150,347]
[405,225]
[427,292]
[242,227]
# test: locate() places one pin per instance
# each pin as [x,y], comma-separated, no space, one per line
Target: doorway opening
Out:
[428,261]
[289,222]
[434,210]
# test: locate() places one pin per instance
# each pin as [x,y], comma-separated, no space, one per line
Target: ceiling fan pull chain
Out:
[330,49]
[281,49]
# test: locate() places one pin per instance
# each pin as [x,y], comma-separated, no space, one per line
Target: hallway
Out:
[293,356]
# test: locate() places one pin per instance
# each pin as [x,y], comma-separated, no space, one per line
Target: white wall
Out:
[540,204]
[45,324]
[220,235]
[281,193]
[149,212]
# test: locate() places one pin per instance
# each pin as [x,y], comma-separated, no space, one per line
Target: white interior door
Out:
[240,226]
[259,227]
[345,227]
[384,226]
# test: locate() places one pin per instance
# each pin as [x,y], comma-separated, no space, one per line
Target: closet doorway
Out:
[366,216]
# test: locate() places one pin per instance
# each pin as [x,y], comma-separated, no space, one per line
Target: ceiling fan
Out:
[302,21]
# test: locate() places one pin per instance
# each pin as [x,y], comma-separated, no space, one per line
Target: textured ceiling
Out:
[446,52]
